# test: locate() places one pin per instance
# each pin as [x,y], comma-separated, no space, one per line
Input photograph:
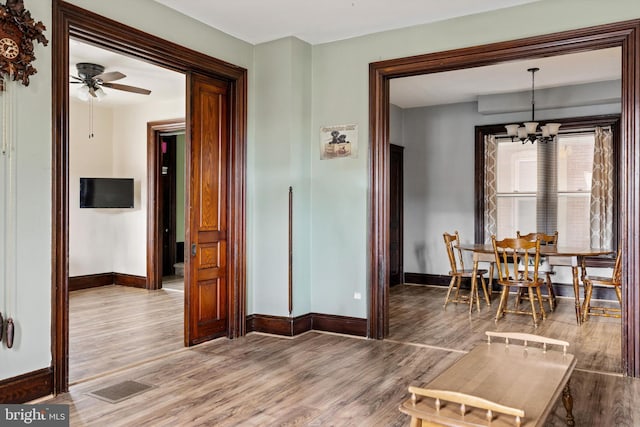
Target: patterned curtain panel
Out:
[490,187]
[602,190]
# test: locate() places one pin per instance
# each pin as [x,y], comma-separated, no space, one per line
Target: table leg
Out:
[567,400]
[576,291]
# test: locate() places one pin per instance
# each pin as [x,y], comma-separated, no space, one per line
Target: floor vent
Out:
[121,391]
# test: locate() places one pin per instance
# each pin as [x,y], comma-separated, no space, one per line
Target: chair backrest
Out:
[545,239]
[517,259]
[453,252]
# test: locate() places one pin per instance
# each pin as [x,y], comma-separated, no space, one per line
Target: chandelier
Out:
[529,131]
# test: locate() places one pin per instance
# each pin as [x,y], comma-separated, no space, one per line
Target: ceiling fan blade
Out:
[110,76]
[126,88]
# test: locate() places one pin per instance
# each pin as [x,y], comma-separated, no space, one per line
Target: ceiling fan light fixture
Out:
[528,132]
[83,93]
[100,94]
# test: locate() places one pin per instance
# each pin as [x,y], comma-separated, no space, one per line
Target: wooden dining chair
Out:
[545,240]
[614,281]
[517,261]
[456,263]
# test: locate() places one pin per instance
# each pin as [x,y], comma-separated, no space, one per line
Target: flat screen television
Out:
[106,192]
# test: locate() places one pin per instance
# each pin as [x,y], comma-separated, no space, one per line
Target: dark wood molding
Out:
[154,233]
[27,387]
[427,279]
[625,35]
[90,281]
[70,21]
[129,280]
[287,326]
[279,325]
[339,324]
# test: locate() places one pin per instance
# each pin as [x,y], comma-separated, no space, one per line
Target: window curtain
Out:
[602,190]
[490,187]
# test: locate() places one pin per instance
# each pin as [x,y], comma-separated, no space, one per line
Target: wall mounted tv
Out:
[106,192]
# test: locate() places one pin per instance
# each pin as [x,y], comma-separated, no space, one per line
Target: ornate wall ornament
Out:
[18,30]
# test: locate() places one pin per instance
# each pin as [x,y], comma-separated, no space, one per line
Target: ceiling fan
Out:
[93,79]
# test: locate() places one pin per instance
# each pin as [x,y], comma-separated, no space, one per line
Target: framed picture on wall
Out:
[338,141]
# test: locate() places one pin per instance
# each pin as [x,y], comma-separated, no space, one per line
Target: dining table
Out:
[566,256]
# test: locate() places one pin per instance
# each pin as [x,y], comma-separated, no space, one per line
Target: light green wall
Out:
[281,160]
[180,187]
[293,92]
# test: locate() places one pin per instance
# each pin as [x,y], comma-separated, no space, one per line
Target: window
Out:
[519,187]
[548,187]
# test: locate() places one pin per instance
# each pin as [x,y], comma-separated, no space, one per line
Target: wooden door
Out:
[396,194]
[206,305]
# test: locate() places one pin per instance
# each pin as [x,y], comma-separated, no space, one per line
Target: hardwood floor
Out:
[111,327]
[320,379]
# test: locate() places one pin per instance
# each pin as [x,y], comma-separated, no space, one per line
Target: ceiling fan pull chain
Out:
[91,119]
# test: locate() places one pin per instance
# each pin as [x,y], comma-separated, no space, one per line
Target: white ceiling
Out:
[322,21]
[466,85]
[164,84]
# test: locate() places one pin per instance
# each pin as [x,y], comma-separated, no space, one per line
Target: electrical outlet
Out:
[357,295]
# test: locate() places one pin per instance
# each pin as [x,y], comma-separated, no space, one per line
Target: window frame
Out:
[568,124]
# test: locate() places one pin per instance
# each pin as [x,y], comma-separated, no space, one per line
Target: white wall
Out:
[337,195]
[111,240]
[91,242]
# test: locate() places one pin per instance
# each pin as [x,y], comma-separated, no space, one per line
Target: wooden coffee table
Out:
[527,379]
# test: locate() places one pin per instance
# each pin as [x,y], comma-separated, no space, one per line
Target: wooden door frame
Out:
[399,149]
[154,234]
[625,35]
[72,21]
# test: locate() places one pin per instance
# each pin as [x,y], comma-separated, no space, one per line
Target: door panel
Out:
[206,300]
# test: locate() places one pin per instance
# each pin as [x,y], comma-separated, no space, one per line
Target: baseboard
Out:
[129,280]
[431,279]
[104,279]
[27,387]
[288,326]
[90,281]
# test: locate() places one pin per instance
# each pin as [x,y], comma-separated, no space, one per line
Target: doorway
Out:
[72,21]
[625,35]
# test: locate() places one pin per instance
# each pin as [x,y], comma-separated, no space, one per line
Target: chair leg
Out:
[503,302]
[490,280]
[484,289]
[619,295]
[533,307]
[552,294]
[446,300]
[588,290]
[542,312]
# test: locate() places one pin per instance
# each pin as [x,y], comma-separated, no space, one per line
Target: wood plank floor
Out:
[318,379]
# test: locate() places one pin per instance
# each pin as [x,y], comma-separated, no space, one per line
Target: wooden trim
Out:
[427,279]
[129,280]
[90,281]
[27,387]
[72,21]
[287,326]
[622,34]
[279,325]
[154,233]
[339,324]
